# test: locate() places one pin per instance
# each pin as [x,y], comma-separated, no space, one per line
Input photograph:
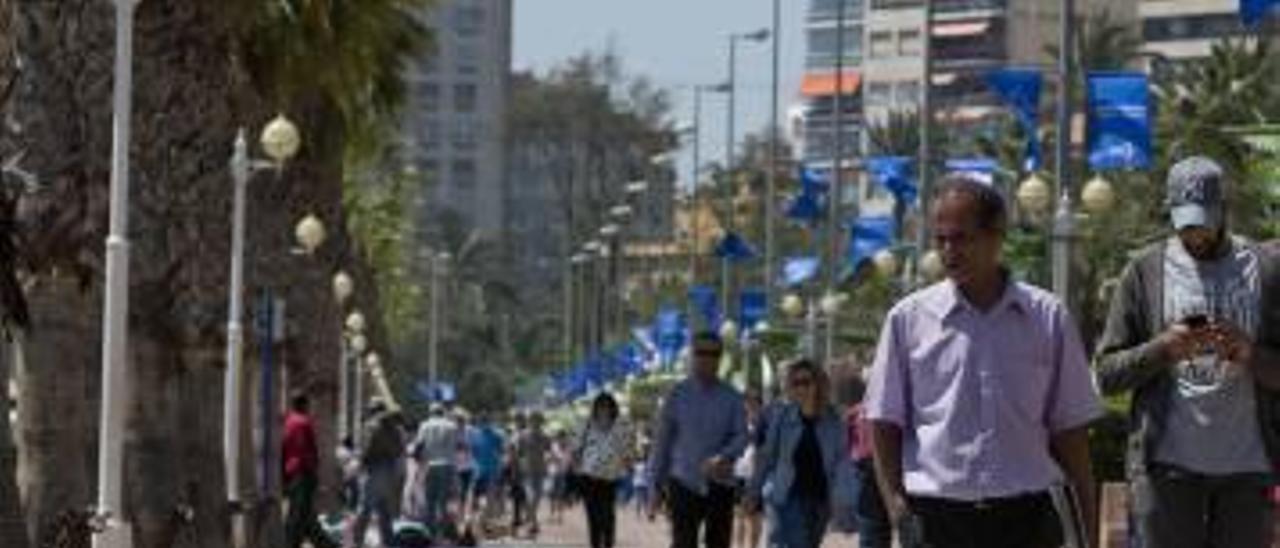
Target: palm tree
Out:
[199,70]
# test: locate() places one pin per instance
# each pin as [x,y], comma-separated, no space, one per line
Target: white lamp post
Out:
[113,531]
[438,263]
[356,343]
[280,141]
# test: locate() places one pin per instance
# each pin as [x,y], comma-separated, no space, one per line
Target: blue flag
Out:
[707,303]
[806,207]
[669,330]
[798,270]
[1119,121]
[1020,89]
[981,169]
[813,182]
[734,248]
[1253,12]
[753,309]
[868,236]
[894,173]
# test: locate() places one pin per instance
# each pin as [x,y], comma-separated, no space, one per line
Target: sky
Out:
[678,44]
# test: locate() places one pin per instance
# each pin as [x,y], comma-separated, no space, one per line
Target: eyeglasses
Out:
[707,353]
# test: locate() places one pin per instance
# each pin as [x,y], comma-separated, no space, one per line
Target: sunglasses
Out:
[707,353]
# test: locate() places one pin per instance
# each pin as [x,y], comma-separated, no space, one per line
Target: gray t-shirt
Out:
[1213,426]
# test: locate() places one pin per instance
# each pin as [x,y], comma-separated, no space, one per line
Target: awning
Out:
[817,84]
[967,28]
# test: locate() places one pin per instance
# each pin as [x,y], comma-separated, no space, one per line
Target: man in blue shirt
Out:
[702,431]
[486,449]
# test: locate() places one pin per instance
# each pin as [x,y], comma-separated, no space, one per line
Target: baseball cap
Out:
[1195,193]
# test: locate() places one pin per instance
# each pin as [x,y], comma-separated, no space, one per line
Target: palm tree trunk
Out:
[13,529]
[55,420]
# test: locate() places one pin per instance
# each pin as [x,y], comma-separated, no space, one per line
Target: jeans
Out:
[1177,509]
[798,523]
[712,513]
[874,529]
[534,486]
[600,497]
[439,488]
[377,489]
[300,523]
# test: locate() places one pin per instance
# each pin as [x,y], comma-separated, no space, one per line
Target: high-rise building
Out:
[455,123]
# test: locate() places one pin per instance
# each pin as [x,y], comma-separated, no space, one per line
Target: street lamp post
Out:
[280,141]
[343,288]
[114,530]
[438,263]
[771,183]
[1064,217]
[837,186]
[730,144]
[926,141]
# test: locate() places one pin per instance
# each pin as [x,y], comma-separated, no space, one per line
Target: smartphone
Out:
[1196,321]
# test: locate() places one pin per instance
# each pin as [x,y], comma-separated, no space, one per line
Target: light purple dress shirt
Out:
[978,394]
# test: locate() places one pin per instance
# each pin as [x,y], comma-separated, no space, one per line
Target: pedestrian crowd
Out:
[969,429]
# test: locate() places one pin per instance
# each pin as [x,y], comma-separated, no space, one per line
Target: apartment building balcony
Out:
[946,10]
[970,44]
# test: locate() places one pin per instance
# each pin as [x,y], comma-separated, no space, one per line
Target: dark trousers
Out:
[874,529]
[300,523]
[600,499]
[690,512]
[1177,509]
[1028,521]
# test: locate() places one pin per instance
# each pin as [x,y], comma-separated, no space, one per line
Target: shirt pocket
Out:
[1025,361]
[935,368]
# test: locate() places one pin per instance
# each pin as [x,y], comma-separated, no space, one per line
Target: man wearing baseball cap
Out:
[1193,335]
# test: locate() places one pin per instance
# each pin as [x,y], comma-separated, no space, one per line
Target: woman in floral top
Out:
[604,456]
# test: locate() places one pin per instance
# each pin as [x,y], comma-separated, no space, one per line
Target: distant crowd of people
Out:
[973,431]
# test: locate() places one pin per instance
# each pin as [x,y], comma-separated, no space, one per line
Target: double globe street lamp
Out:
[280,141]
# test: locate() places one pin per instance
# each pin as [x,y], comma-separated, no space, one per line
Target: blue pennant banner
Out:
[868,236]
[706,303]
[669,331]
[806,207]
[1252,12]
[753,308]
[734,248]
[894,173]
[1119,121]
[798,270]
[1020,90]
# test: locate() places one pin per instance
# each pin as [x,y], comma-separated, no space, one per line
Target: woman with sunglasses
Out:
[797,478]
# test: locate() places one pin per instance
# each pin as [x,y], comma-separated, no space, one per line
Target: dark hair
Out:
[992,211]
[708,337]
[609,404]
[804,364]
[299,401]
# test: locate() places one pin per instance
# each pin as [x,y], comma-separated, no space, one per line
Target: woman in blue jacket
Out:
[799,477]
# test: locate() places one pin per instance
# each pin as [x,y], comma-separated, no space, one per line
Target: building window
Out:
[468,20]
[895,4]
[464,97]
[465,134]
[1192,27]
[879,94]
[429,96]
[907,93]
[909,42]
[463,172]
[824,10]
[882,44]
[467,57]
[432,135]
[822,47]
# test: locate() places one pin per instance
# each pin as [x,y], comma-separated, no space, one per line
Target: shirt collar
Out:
[949,300]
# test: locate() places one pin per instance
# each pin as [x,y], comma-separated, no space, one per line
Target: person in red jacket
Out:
[301,461]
